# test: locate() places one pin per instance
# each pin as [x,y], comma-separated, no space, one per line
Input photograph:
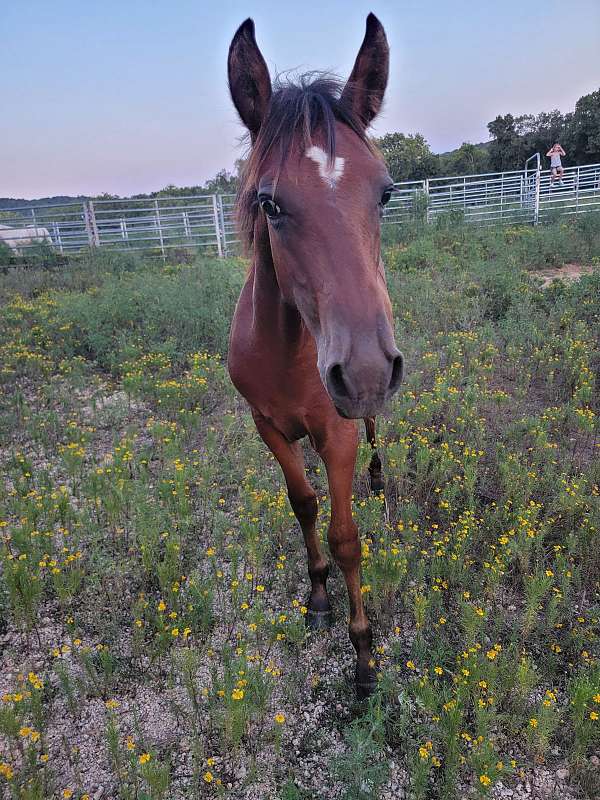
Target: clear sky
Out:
[128,96]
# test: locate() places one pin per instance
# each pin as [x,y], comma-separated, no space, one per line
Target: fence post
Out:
[222,224]
[34,220]
[89,216]
[56,228]
[217,223]
[159,228]
[426,190]
[522,192]
[536,207]
[577,192]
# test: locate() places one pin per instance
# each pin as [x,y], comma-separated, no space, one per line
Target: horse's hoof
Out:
[377,484]
[318,620]
[365,690]
[366,680]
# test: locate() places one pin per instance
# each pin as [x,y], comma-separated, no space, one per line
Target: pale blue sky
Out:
[127,96]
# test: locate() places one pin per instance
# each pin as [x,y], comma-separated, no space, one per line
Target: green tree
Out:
[468,159]
[408,157]
[224,182]
[507,147]
[539,132]
[516,138]
[583,130]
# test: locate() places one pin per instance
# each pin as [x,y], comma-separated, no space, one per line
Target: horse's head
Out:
[311,199]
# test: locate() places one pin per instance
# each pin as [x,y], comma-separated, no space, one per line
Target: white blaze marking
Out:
[330,173]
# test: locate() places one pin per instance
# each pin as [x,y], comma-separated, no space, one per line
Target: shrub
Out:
[175,313]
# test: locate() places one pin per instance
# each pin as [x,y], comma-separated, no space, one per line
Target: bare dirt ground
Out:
[568,272]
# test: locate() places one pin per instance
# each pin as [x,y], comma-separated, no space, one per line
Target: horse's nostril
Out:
[337,384]
[397,370]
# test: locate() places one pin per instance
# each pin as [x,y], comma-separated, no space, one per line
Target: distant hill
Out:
[479,146]
[59,200]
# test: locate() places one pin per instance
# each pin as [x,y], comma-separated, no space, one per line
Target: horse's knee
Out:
[344,544]
[305,507]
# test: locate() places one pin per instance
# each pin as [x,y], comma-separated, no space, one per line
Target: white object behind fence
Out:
[207,221]
[19,238]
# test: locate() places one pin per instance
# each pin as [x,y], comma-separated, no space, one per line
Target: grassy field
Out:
[152,638]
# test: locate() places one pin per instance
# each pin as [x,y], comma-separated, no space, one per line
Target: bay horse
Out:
[312,345]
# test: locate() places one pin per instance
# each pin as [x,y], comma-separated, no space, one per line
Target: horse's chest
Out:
[285,393]
[277,376]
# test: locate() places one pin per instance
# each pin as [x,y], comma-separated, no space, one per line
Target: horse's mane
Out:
[308,105]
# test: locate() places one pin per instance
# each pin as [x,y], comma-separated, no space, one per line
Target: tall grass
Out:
[450,239]
[172,310]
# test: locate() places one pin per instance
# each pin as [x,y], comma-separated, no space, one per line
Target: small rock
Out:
[562,774]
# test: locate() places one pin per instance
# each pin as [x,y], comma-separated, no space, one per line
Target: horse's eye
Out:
[270,207]
[386,197]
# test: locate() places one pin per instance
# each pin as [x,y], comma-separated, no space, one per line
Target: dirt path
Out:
[568,272]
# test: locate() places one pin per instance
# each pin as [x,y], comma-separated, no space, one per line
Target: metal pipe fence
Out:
[160,225]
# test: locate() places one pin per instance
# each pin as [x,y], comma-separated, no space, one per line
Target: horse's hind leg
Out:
[304,505]
[375,473]
[339,455]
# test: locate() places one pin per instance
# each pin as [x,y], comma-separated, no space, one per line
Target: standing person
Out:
[554,154]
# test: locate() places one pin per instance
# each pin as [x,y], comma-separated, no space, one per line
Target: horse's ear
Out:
[368,79]
[249,80]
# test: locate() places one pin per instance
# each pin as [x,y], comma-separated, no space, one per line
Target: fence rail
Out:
[207,221]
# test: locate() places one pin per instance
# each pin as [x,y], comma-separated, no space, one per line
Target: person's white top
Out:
[555,159]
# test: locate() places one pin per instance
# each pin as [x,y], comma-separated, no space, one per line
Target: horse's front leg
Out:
[339,455]
[304,505]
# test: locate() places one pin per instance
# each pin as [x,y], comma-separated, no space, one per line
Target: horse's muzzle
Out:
[361,388]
